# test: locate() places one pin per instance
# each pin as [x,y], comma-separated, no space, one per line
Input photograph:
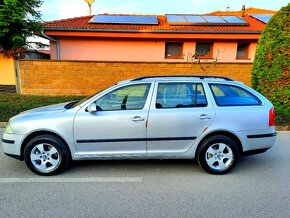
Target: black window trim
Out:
[235,105]
[175,82]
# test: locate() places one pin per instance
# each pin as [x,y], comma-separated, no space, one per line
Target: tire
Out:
[218,154]
[46,155]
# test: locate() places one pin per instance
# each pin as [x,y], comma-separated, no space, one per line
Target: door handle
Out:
[204,117]
[137,118]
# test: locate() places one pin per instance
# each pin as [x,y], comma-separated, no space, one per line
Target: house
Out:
[7,74]
[222,36]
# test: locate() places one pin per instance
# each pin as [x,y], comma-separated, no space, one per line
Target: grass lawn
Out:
[12,104]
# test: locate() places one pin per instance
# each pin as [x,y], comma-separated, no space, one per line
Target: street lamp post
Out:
[90,2]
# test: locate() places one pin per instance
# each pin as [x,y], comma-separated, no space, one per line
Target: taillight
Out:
[272,117]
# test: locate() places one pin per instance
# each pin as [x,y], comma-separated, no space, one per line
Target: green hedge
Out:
[12,104]
[271,73]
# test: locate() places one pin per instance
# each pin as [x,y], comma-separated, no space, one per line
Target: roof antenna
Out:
[89,2]
[228,7]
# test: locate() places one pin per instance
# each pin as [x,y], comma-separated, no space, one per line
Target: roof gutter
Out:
[153,31]
[54,40]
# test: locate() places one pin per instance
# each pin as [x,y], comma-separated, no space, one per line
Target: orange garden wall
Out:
[48,77]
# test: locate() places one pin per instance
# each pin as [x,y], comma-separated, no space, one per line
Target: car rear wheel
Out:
[46,155]
[218,154]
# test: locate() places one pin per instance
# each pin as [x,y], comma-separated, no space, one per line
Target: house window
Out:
[203,50]
[173,49]
[243,51]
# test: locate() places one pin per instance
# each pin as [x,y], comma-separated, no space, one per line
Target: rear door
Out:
[179,113]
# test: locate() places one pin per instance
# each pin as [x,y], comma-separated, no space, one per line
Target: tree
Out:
[270,74]
[19,19]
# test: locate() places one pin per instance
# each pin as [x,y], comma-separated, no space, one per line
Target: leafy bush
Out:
[12,104]
[19,20]
[270,74]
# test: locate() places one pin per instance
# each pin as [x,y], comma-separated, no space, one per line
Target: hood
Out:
[47,109]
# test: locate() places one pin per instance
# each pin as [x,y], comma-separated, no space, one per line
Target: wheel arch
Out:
[37,133]
[224,133]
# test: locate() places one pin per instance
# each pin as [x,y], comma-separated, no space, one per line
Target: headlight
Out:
[8,129]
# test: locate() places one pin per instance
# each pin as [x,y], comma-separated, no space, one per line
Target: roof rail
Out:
[201,77]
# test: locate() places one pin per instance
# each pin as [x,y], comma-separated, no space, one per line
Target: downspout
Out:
[55,41]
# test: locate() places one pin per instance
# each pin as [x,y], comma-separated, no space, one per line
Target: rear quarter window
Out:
[231,95]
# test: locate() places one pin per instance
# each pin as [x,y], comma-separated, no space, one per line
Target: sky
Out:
[61,9]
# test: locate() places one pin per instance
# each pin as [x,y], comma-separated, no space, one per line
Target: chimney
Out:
[243,11]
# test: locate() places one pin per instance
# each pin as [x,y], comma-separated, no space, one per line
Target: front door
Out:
[118,128]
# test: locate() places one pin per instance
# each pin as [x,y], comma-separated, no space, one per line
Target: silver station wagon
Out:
[214,120]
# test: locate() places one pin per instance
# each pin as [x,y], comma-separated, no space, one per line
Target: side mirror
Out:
[92,108]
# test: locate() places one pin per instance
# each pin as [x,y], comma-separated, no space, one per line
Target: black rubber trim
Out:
[262,136]
[135,139]
[183,76]
[8,141]
[17,157]
[257,151]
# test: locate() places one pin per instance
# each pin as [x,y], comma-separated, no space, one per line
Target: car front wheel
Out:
[46,155]
[218,154]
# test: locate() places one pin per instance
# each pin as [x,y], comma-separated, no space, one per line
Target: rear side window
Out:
[180,95]
[230,95]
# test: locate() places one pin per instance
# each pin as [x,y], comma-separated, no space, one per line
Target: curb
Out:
[3,125]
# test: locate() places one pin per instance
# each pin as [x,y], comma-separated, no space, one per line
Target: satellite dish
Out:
[89,2]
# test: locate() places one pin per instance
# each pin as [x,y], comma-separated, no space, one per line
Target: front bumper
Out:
[11,144]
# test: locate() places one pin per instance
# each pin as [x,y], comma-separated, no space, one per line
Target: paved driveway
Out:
[258,187]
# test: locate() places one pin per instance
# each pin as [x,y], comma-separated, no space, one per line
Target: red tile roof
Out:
[239,13]
[82,24]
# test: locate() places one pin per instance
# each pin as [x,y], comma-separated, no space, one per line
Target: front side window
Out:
[203,50]
[180,95]
[230,95]
[131,97]
[173,49]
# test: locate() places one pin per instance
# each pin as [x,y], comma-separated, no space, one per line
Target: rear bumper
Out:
[252,152]
[269,135]
[257,141]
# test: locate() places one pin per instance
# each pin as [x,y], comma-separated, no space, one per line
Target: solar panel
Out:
[214,19]
[233,19]
[195,19]
[112,19]
[205,20]
[175,19]
[262,17]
